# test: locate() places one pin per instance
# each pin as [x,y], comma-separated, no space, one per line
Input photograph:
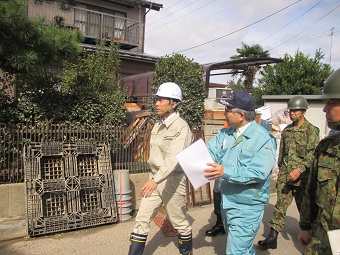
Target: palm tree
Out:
[250,51]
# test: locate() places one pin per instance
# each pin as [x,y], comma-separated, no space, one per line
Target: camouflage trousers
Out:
[285,195]
[319,243]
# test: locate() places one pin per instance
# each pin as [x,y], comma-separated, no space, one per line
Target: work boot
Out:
[185,244]
[218,228]
[270,242]
[215,230]
[137,244]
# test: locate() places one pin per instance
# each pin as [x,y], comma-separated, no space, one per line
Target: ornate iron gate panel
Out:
[68,186]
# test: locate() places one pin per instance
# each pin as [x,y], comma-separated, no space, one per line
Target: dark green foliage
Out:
[28,48]
[238,85]
[92,83]
[94,72]
[30,45]
[257,93]
[86,93]
[297,75]
[248,51]
[188,75]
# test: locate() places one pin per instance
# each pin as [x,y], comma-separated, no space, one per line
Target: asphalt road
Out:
[114,239]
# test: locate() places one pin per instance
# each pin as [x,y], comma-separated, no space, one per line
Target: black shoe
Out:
[215,230]
[270,242]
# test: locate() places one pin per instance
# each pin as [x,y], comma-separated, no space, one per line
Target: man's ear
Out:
[174,104]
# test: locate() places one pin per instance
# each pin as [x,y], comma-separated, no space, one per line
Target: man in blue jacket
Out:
[244,155]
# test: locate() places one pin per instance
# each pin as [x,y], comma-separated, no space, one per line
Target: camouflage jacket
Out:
[296,151]
[321,203]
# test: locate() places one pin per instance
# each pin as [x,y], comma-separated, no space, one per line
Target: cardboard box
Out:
[214,115]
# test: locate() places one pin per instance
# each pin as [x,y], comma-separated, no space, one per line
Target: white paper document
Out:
[194,160]
[334,240]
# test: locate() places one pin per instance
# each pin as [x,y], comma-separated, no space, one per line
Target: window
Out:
[98,22]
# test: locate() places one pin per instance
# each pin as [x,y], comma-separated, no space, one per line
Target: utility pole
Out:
[330,54]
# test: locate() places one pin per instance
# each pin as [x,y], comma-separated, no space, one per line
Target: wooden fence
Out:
[129,145]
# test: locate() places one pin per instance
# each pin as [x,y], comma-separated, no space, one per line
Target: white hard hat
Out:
[169,90]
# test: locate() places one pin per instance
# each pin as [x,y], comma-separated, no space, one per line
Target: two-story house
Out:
[118,20]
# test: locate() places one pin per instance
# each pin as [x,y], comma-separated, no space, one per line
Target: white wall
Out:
[314,114]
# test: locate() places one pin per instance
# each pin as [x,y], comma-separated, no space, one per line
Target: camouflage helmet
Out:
[331,88]
[297,103]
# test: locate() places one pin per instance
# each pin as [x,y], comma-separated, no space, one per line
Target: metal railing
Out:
[129,146]
[93,24]
[100,25]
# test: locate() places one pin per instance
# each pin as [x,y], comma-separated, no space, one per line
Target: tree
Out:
[87,93]
[92,89]
[247,51]
[297,75]
[30,45]
[188,75]
[238,85]
[28,48]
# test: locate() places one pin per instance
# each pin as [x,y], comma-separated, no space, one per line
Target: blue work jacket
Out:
[248,162]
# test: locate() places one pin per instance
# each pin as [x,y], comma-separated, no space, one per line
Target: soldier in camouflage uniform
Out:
[298,141]
[320,210]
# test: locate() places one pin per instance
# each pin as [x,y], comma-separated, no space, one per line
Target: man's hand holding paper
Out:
[214,171]
[194,161]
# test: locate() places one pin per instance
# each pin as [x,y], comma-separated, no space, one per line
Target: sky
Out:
[209,31]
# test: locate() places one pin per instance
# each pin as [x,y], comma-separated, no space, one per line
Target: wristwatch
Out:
[154,180]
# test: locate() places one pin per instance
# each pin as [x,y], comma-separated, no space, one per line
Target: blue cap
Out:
[240,99]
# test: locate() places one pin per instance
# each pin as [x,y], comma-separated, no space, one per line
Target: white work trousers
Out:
[174,202]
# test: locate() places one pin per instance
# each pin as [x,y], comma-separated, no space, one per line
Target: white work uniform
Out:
[167,139]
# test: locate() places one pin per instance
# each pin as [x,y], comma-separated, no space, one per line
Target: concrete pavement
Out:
[12,228]
[114,238]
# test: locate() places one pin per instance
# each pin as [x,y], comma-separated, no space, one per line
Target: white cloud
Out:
[182,25]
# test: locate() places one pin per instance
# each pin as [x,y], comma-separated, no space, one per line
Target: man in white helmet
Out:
[167,184]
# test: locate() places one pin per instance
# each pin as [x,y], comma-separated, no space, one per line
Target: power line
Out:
[181,16]
[330,51]
[291,22]
[214,14]
[306,28]
[165,9]
[239,29]
[175,11]
[312,37]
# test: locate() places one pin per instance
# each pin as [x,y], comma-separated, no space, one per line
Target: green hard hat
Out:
[331,88]
[297,103]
